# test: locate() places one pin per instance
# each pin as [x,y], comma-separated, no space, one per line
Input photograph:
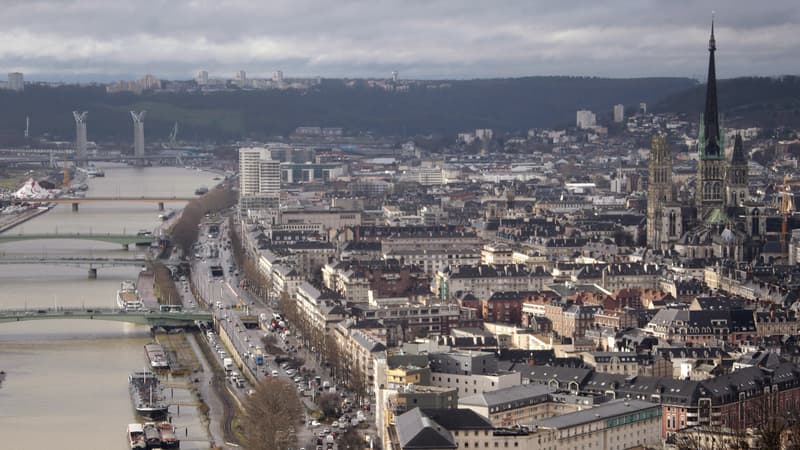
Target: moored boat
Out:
[136,436]
[168,437]
[151,435]
[128,297]
[156,355]
[146,395]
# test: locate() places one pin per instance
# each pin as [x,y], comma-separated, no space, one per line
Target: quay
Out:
[8,222]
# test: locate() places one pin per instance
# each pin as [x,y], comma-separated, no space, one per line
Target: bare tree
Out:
[271,416]
[351,440]
[329,404]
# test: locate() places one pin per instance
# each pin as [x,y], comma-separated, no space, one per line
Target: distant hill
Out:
[514,104]
[766,102]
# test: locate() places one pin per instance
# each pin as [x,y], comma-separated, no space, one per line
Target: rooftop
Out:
[606,411]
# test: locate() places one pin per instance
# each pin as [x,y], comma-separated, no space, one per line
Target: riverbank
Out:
[8,222]
[187,410]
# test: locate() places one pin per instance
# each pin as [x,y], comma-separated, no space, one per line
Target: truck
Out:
[259,356]
[227,363]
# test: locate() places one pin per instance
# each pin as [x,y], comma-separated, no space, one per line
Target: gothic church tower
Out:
[659,190]
[736,181]
[711,168]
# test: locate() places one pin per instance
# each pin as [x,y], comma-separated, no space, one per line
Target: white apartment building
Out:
[585,119]
[250,169]
[16,81]
[259,178]
[429,176]
[475,383]
[619,113]
[435,259]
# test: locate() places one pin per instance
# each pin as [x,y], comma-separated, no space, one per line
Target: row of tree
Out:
[185,231]
[256,282]
[165,290]
[324,345]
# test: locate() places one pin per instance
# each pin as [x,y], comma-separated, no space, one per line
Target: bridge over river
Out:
[78,200]
[123,239]
[152,318]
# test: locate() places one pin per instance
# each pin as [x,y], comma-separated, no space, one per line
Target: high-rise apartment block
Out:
[585,119]
[16,81]
[240,79]
[202,78]
[259,178]
[619,113]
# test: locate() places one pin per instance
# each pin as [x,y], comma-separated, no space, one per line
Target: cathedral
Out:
[721,221]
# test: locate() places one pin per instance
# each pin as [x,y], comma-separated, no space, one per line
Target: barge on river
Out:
[147,395]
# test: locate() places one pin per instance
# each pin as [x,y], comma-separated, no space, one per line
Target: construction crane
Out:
[786,209]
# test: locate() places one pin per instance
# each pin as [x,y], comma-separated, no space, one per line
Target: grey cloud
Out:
[421,38]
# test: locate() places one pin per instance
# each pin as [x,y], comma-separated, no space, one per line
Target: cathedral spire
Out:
[711,145]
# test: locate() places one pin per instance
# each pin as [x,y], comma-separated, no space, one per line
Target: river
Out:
[66,383]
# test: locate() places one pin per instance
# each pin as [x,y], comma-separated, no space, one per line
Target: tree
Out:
[351,440]
[329,404]
[271,416]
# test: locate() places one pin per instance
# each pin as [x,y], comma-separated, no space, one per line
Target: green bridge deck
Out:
[152,318]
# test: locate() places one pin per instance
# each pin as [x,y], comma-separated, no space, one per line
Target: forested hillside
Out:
[501,104]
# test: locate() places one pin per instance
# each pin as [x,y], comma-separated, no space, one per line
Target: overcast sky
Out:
[111,39]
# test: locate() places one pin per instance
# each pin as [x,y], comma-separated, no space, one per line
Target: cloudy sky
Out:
[112,39]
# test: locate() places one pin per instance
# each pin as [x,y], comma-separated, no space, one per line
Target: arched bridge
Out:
[123,239]
[151,318]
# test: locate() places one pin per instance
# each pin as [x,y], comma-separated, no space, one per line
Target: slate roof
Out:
[368,343]
[417,431]
[543,374]
[458,419]
[511,397]
[605,411]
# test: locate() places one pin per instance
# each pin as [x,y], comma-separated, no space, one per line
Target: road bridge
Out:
[151,318]
[76,201]
[73,261]
[123,239]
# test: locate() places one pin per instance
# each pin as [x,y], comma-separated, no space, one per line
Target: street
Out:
[229,303]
